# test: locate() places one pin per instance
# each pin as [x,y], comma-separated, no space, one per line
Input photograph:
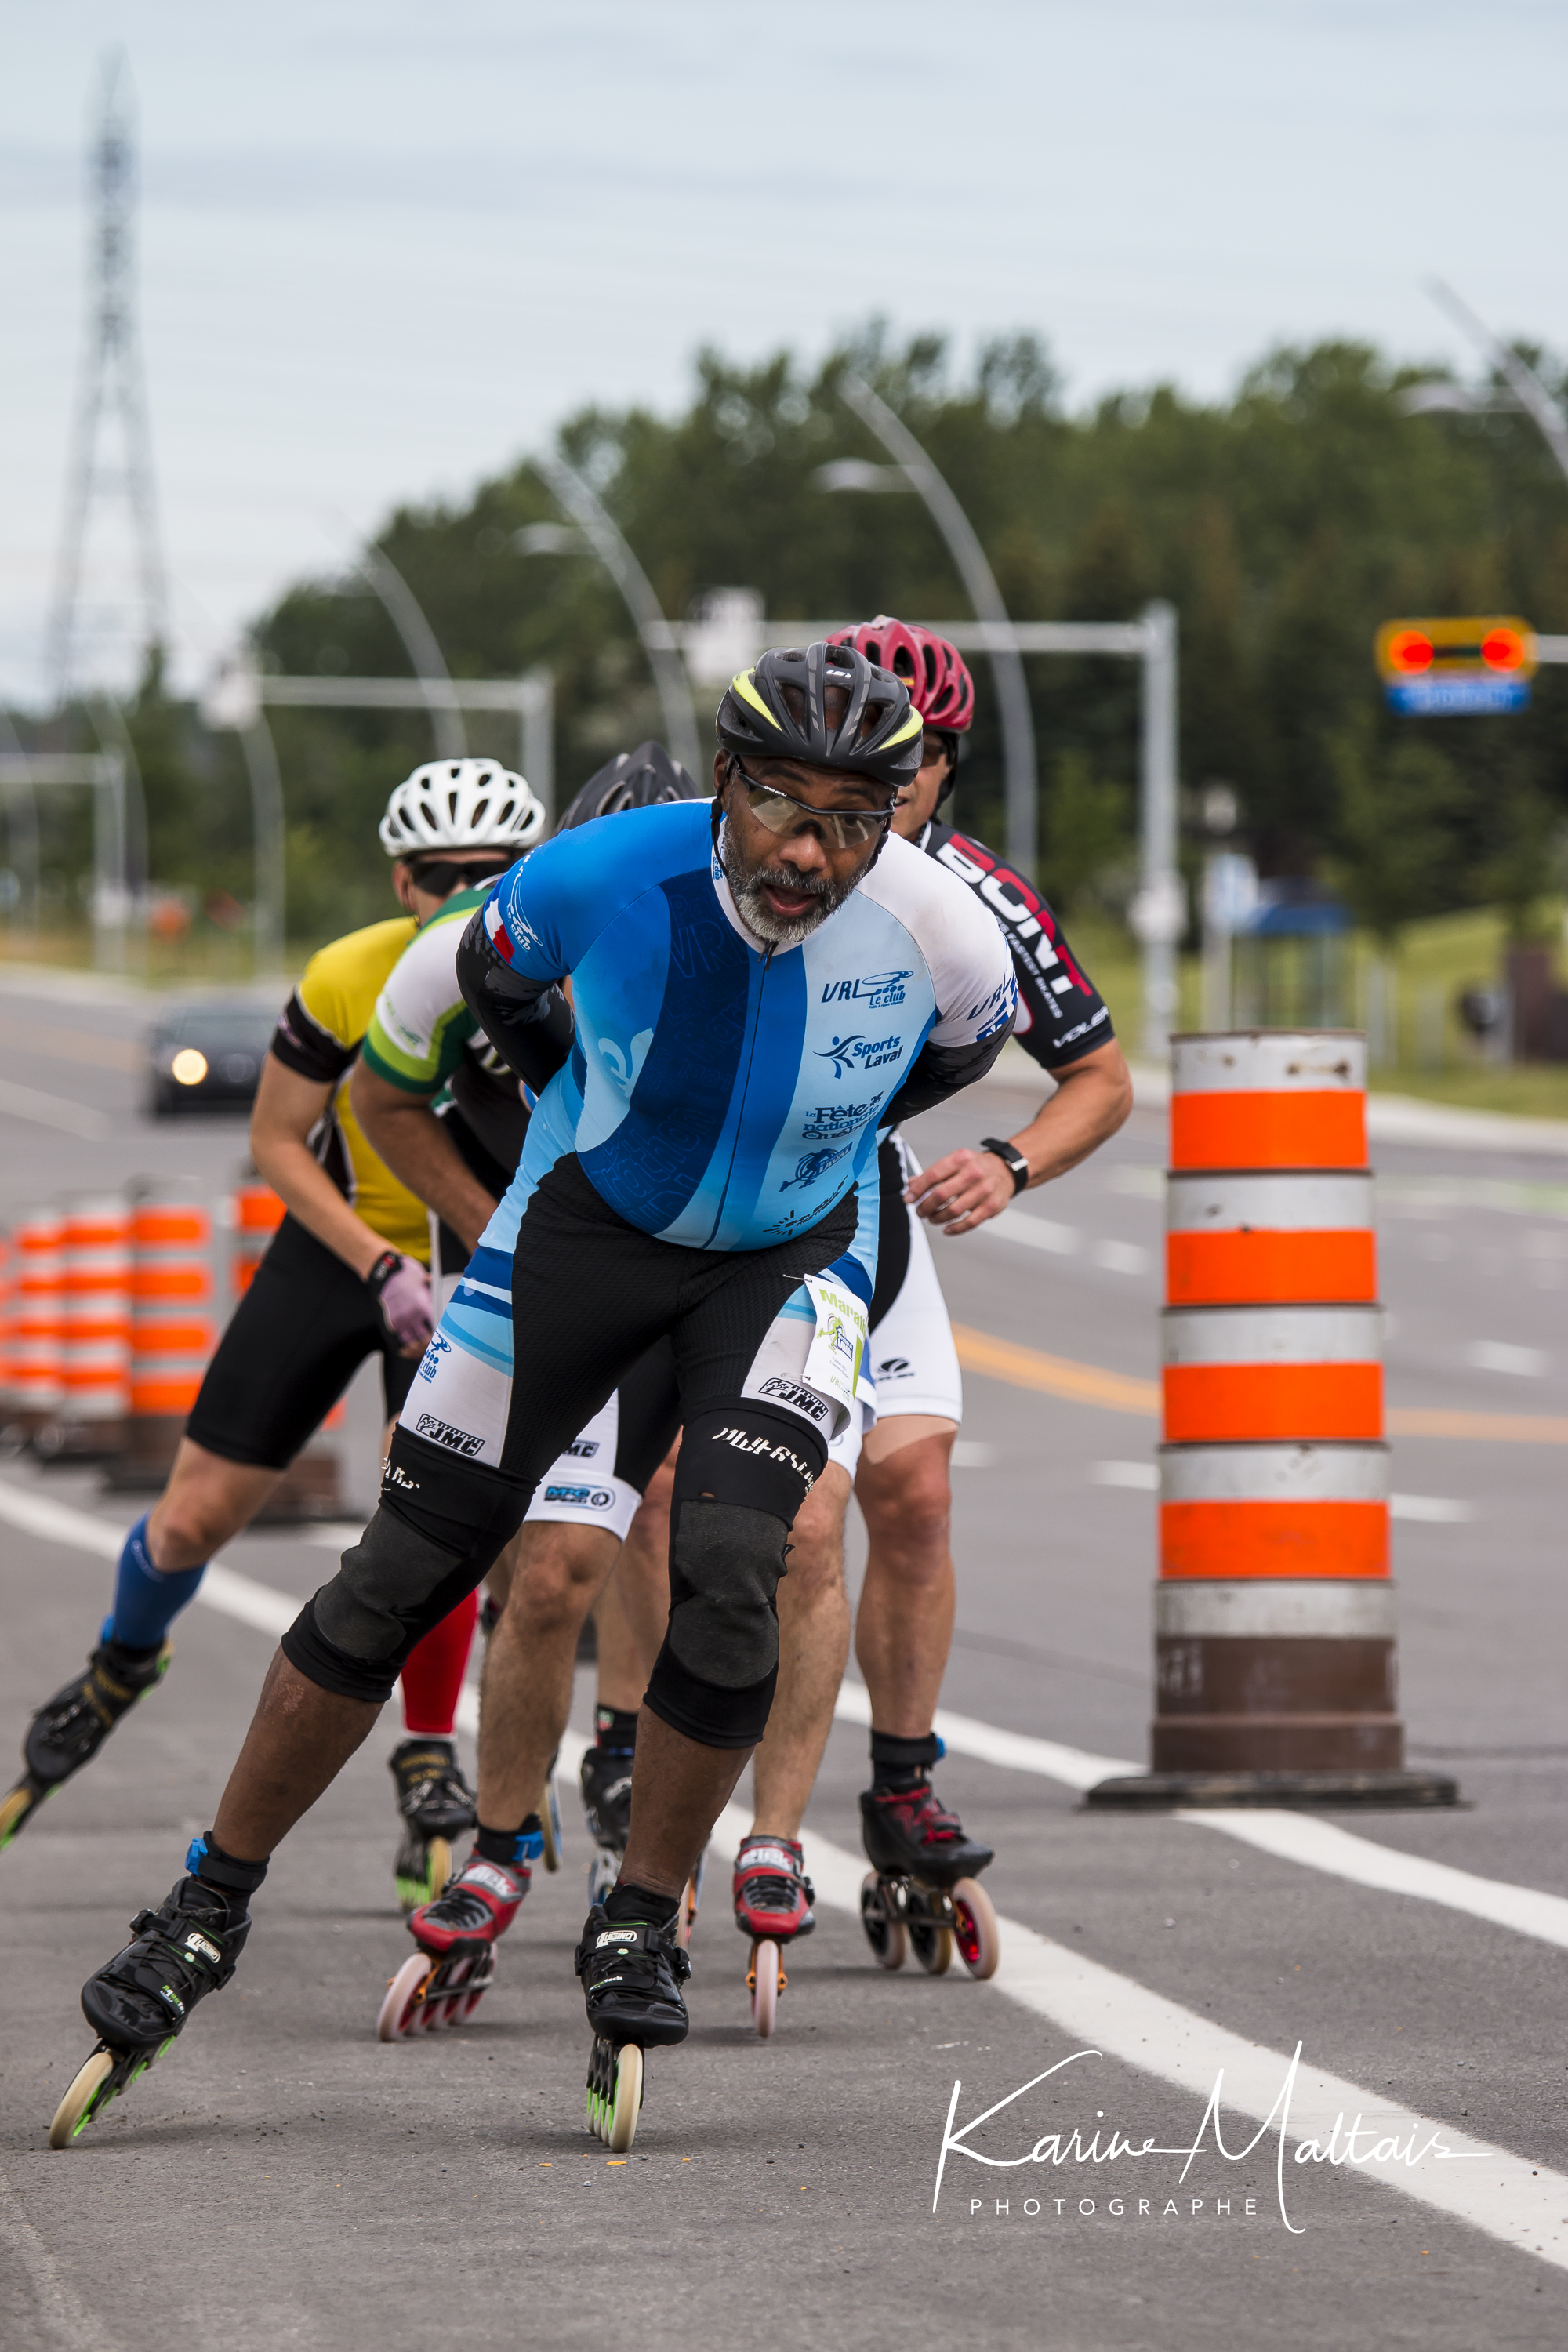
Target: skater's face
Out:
[796,840]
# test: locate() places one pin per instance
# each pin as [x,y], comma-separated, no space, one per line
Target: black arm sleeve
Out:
[939,1071]
[528,1021]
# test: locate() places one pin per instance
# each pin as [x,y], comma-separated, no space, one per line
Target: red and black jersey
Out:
[1061,1014]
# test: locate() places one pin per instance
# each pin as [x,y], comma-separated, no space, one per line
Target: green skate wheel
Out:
[86,2094]
[18,1808]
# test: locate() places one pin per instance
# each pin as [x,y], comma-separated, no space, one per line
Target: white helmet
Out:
[460,804]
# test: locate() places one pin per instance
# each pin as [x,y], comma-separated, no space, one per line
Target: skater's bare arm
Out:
[405,1132]
[300,1739]
[288,1107]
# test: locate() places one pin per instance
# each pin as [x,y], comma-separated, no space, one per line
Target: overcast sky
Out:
[384,247]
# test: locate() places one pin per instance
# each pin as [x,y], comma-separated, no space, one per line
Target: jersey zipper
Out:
[746,1088]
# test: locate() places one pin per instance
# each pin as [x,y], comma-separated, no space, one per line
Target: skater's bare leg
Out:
[633,1610]
[813,1643]
[904,1627]
[498,1580]
[679,1790]
[206,1502]
[525,1696]
[300,1739]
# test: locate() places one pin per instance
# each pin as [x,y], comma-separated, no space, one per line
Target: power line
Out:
[111,391]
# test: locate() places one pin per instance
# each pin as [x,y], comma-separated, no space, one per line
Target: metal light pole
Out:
[980,583]
[603,535]
[424,654]
[1159,913]
[233,703]
[1529,392]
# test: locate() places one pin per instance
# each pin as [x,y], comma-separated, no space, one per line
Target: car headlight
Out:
[188,1068]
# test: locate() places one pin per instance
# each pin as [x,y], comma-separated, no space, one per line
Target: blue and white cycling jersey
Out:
[721,1095]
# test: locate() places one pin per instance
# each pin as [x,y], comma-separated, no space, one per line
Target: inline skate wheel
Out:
[603,1873]
[402,2009]
[626,2103]
[686,1918]
[979,1939]
[440,1868]
[766,1978]
[16,1808]
[550,1823]
[82,2100]
[932,1947]
[887,1936]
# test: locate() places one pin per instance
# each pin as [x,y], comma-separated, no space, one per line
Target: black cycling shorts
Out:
[295,1341]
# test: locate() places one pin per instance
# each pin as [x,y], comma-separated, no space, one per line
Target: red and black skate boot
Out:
[444,1981]
[772,1894]
[906,1829]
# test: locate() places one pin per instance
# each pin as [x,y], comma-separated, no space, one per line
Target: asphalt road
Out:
[281,2179]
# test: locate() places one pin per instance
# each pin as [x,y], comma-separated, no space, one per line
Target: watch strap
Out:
[1013,1157]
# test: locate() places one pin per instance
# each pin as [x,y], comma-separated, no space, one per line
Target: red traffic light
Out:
[1502,650]
[1409,651]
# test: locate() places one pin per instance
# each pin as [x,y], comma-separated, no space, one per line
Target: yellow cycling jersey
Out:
[318,1035]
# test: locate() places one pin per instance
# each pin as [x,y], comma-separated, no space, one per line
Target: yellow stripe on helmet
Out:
[913,725]
[742,685]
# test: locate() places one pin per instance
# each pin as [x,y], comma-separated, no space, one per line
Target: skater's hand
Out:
[402,1292]
[963,1191]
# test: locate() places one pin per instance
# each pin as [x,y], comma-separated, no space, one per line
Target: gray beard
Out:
[746,887]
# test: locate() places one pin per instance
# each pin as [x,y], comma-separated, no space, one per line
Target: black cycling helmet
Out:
[641,779]
[778,711]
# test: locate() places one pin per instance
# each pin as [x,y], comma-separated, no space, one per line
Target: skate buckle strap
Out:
[764,1854]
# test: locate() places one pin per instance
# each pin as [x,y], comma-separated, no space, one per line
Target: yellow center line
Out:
[1059,1376]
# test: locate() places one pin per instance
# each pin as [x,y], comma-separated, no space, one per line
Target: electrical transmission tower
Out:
[112,394]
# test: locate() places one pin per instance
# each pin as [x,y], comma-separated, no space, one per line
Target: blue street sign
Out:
[1457,695]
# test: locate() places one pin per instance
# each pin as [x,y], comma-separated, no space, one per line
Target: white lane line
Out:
[1035,1233]
[1430,1510]
[1291,1837]
[1502,1355]
[1144,1478]
[1512,2200]
[1502,2194]
[53,1110]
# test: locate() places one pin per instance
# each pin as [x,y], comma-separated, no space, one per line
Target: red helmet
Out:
[935,673]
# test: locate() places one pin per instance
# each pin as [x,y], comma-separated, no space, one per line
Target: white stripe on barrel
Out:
[1343,1609]
[1274,1474]
[1272,1335]
[1197,1202]
[1270,1061]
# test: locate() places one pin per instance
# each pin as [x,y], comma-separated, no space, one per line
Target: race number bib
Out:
[834,1358]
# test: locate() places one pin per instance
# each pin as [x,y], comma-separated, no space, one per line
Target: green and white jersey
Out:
[424,1039]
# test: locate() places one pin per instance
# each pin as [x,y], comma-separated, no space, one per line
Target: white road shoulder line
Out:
[1293,1837]
[1504,2195]
[53,1110]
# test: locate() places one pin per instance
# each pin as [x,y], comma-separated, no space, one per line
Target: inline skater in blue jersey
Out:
[753,982]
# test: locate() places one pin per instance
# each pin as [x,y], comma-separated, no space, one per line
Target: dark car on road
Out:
[207,1058]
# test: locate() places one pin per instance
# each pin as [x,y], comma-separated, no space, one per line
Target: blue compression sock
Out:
[146,1603]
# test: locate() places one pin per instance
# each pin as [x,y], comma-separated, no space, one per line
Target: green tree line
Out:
[1284,524]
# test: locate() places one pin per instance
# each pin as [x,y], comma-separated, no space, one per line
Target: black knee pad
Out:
[430,1540]
[742,1473]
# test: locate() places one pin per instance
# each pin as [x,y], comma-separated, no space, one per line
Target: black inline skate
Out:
[632,1972]
[606,1774]
[139,2001]
[923,1889]
[69,1729]
[436,1805]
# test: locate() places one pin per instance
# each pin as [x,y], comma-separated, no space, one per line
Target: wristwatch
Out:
[1012,1155]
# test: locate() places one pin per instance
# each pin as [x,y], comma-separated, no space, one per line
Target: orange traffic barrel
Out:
[1274,1657]
[171,1330]
[7,1401]
[1269,1099]
[1299,1237]
[95,1321]
[1234,1374]
[255,1213]
[36,1240]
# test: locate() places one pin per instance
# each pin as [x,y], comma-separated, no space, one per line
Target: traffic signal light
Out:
[1442,668]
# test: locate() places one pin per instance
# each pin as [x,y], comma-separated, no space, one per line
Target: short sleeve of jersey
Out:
[320,1028]
[420,1025]
[965,953]
[1061,1016]
[544,914]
